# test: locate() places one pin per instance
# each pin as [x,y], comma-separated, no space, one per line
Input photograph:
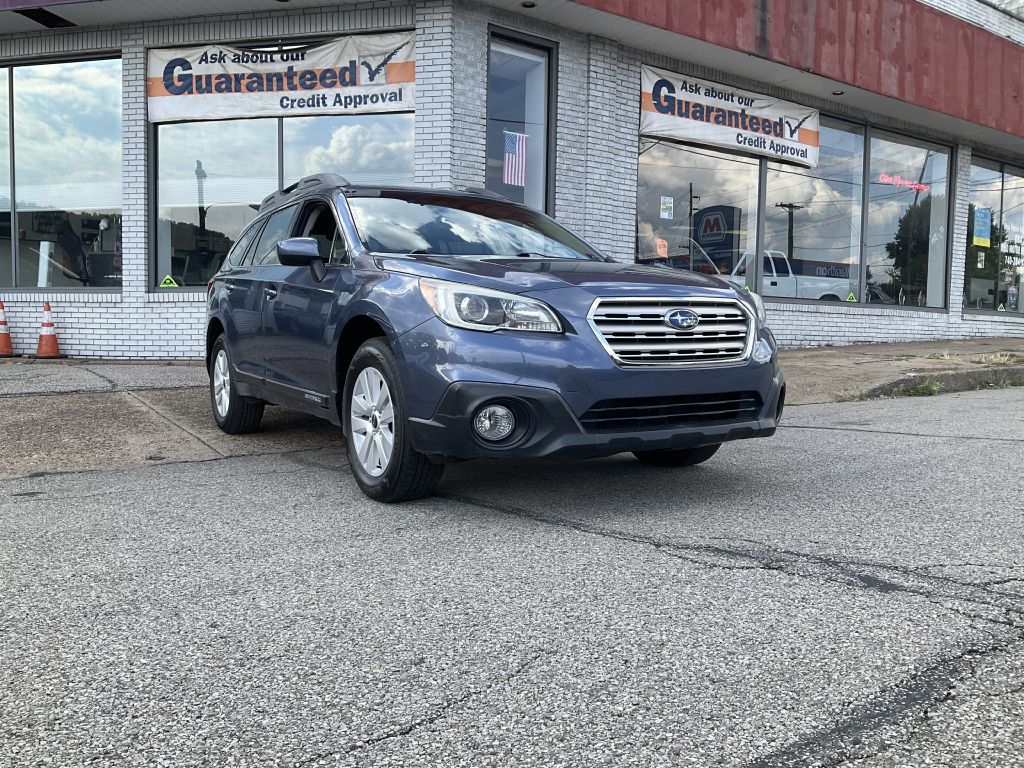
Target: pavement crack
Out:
[160,412]
[438,713]
[910,699]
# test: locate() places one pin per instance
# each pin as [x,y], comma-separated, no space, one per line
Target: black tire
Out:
[829,297]
[409,474]
[679,457]
[242,414]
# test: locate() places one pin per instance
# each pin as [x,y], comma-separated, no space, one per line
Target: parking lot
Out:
[849,592]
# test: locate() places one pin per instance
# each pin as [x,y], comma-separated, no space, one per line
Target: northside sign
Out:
[673,106]
[348,75]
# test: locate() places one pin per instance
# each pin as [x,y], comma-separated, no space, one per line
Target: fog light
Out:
[763,351]
[494,422]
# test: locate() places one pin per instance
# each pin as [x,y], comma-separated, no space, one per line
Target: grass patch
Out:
[946,355]
[925,388]
[997,358]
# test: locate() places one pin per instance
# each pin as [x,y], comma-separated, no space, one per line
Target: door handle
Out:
[229,287]
[270,292]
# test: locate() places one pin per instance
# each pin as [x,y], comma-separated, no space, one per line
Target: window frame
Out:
[107,54]
[339,231]
[550,48]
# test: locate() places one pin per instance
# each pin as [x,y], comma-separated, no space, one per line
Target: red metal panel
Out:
[898,48]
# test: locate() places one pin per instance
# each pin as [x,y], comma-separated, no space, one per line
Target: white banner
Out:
[674,106]
[350,75]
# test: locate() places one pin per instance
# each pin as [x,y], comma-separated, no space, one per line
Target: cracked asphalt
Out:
[849,592]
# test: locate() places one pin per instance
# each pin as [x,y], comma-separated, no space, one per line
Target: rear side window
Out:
[277,229]
[237,253]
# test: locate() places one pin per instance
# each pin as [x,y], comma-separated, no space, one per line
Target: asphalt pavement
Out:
[849,592]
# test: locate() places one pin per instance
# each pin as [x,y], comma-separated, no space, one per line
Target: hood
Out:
[530,275]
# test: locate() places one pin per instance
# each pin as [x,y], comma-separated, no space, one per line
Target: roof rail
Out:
[304,185]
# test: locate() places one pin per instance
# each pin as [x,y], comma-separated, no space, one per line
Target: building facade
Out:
[861,164]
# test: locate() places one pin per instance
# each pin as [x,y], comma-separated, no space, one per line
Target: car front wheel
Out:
[233,413]
[384,463]
[679,457]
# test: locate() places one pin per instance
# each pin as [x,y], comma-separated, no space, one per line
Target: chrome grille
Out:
[634,331]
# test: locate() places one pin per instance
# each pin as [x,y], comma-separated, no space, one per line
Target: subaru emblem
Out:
[682,319]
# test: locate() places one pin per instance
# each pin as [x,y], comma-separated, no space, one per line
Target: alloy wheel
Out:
[372,416]
[221,384]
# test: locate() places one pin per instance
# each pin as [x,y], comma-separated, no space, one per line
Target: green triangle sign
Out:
[851,297]
[1000,308]
[169,282]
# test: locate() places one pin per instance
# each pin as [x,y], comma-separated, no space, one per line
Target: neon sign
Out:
[899,181]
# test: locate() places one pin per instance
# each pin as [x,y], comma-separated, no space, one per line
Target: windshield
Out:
[453,225]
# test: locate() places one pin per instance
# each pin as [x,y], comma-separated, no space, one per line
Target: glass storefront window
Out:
[211,179]
[373,149]
[905,245]
[517,122]
[696,209]
[994,270]
[68,174]
[813,220]
[212,176]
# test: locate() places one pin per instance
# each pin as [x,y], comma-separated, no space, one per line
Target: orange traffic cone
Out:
[48,348]
[6,350]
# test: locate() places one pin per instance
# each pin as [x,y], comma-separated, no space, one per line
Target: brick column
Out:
[134,182]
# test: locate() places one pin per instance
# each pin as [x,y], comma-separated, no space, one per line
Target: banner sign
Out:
[674,106]
[350,75]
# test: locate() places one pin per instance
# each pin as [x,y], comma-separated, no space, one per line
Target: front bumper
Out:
[553,431]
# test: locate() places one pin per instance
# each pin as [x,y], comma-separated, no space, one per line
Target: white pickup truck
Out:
[779,280]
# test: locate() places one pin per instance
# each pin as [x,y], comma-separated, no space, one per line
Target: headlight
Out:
[481,309]
[762,316]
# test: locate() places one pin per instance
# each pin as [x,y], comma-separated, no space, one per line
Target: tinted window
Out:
[237,253]
[318,222]
[411,223]
[277,229]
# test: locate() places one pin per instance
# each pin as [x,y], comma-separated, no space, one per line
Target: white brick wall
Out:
[983,15]
[595,163]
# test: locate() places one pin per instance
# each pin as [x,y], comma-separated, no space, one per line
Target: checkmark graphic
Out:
[792,128]
[372,72]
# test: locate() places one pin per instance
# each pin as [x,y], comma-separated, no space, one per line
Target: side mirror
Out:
[302,252]
[298,251]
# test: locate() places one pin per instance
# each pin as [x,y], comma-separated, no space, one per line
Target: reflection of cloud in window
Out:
[374,150]
[68,158]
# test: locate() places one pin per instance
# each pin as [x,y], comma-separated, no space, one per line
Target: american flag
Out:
[515,159]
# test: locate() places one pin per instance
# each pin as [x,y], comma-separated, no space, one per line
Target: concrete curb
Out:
[951,381]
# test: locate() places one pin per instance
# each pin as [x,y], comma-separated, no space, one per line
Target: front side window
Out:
[517,122]
[67,173]
[696,209]
[812,220]
[994,271]
[434,224]
[277,228]
[907,213]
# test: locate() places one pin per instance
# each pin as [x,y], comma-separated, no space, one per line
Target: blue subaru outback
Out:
[437,326]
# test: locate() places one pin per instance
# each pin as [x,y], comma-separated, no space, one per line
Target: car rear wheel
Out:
[233,413]
[384,463]
[679,457]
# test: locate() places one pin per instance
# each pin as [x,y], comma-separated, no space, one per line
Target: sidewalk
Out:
[834,374]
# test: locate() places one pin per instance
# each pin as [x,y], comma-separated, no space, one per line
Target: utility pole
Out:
[200,178]
[689,245]
[790,208]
